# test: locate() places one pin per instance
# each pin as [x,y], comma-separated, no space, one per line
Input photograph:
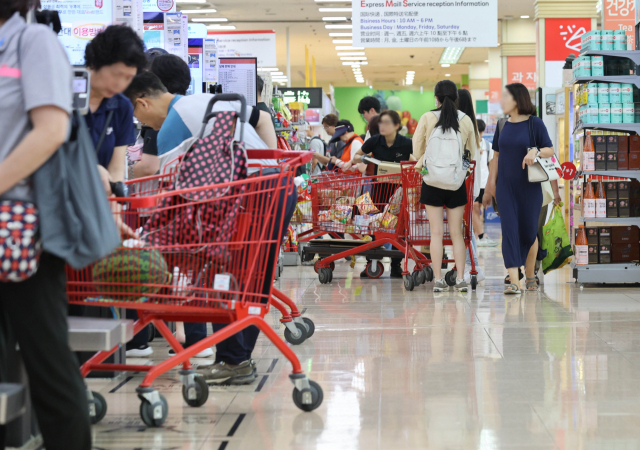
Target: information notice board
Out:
[425,23]
[239,76]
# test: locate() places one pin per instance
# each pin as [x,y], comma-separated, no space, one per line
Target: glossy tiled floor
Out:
[414,370]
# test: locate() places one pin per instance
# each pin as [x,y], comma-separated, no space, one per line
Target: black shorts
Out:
[479,197]
[434,196]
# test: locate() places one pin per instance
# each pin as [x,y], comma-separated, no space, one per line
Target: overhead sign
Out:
[425,23]
[522,69]
[310,96]
[563,37]
[241,44]
[81,21]
[239,76]
[620,15]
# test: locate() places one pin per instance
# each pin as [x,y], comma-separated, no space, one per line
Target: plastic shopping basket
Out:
[417,230]
[196,276]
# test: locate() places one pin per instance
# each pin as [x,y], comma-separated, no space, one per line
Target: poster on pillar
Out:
[562,38]
[240,44]
[620,15]
[522,69]
[495,89]
[411,23]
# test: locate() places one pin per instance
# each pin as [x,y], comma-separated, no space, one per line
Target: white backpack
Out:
[443,158]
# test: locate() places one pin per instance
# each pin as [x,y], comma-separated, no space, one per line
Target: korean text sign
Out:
[620,15]
[425,23]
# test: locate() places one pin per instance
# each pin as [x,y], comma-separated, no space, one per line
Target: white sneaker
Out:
[467,274]
[207,352]
[140,352]
[386,259]
[486,242]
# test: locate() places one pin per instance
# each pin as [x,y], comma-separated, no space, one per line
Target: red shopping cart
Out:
[221,240]
[417,231]
[361,206]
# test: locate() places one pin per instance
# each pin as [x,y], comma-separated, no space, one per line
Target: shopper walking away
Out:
[484,152]
[389,146]
[113,57]
[519,201]
[439,142]
[465,104]
[35,87]
[369,107]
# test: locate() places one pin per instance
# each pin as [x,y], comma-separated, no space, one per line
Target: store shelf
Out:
[616,220]
[628,127]
[628,79]
[607,273]
[614,173]
[633,55]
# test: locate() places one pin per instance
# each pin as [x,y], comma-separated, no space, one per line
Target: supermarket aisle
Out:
[416,371]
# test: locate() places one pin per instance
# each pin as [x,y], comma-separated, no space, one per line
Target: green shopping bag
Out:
[555,241]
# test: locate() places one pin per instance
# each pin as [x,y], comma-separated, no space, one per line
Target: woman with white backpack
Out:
[439,144]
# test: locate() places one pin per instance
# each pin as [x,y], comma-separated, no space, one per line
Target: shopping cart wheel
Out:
[332,265]
[428,273]
[147,412]
[450,277]
[311,327]
[418,277]
[374,273]
[152,332]
[299,338]
[325,275]
[474,282]
[316,397]
[409,284]
[97,407]
[199,393]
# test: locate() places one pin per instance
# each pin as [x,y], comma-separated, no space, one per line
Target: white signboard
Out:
[239,76]
[197,31]
[159,5]
[425,23]
[240,44]
[81,21]
[210,60]
[173,37]
[185,38]
[128,12]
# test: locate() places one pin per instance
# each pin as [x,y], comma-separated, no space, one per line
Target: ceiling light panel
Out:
[451,55]
[334,9]
[211,19]
[353,58]
[348,48]
[341,34]
[355,64]
[220,27]
[350,53]
[334,19]
[342,41]
[268,69]
[338,27]
[198,11]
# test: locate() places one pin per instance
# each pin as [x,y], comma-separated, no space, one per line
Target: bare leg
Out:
[478,224]
[455,216]
[531,260]
[513,275]
[435,214]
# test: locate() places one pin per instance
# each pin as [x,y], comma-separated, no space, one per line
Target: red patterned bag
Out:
[20,245]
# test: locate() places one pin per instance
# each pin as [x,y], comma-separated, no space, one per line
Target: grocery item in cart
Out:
[341,213]
[145,269]
[395,202]
[389,221]
[365,204]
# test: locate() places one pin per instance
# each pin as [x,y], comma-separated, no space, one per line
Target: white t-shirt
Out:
[485,148]
[355,146]
[317,146]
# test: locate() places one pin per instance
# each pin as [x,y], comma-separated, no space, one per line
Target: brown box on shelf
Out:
[604,254]
[612,208]
[604,235]
[611,189]
[634,191]
[612,161]
[601,161]
[600,144]
[634,210]
[634,144]
[593,254]
[623,144]
[622,253]
[623,161]
[634,161]
[612,144]
[623,207]
[592,235]
[624,189]
[625,235]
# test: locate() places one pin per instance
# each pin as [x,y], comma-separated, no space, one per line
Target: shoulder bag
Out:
[544,169]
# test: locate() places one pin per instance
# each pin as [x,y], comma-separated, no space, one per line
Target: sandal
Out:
[507,279]
[532,284]
[512,289]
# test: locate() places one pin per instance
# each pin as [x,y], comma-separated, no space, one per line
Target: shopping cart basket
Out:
[220,281]
[361,206]
[417,230]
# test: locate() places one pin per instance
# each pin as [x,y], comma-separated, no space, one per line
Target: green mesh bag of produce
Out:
[555,240]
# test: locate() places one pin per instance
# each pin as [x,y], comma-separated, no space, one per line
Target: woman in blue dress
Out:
[519,201]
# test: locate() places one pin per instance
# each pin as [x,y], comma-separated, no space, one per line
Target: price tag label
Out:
[568,170]
[221,282]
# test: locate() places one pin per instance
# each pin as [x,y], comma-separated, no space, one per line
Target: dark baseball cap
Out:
[342,127]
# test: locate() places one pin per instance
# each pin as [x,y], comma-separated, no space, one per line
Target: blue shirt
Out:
[121,130]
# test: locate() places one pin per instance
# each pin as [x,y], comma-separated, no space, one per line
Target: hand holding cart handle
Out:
[225,98]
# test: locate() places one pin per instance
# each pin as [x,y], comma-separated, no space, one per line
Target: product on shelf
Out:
[604,113]
[622,253]
[628,113]
[601,202]
[588,154]
[601,161]
[589,202]
[625,235]
[582,247]
[603,93]
[611,188]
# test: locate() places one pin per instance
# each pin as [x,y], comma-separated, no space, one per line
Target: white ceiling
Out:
[387,67]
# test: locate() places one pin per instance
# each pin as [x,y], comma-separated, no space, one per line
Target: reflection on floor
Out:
[414,370]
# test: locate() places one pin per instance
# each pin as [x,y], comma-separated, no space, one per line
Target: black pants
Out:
[34,313]
[238,348]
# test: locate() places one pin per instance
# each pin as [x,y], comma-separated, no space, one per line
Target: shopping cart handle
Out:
[278,154]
